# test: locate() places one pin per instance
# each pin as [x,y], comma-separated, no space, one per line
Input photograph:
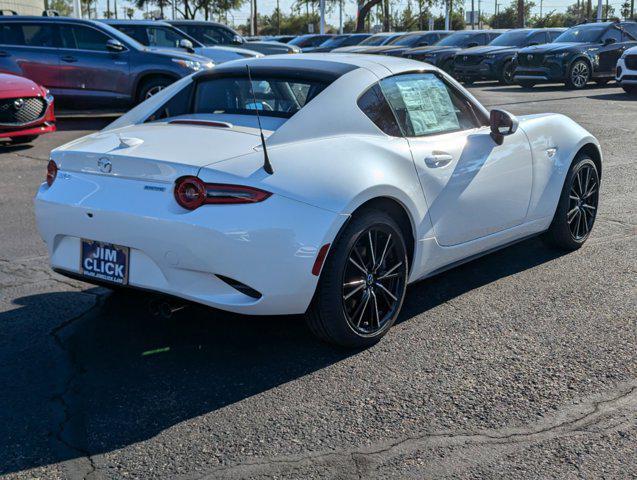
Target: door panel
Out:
[86,64]
[478,188]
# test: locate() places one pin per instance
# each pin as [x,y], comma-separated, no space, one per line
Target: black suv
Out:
[88,62]
[441,54]
[582,53]
[495,61]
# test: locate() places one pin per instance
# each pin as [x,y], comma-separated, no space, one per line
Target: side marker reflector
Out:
[320,259]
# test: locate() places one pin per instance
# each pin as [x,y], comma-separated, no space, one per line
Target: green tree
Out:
[508,17]
[63,7]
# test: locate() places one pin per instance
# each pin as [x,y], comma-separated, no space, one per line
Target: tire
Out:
[630,89]
[506,76]
[349,309]
[578,75]
[22,140]
[580,208]
[151,87]
[526,84]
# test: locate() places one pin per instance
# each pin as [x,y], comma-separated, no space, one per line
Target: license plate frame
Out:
[108,262]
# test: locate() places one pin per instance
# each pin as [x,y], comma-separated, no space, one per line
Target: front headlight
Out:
[193,65]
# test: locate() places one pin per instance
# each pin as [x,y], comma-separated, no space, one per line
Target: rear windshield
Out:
[276,97]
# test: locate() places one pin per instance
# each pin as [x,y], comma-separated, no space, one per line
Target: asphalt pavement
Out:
[522,364]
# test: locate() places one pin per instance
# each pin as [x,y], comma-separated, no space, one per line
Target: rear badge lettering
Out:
[153,188]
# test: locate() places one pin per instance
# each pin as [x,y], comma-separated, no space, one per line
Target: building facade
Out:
[23,7]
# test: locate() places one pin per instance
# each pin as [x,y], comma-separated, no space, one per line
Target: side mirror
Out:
[238,40]
[502,123]
[609,40]
[113,45]
[186,45]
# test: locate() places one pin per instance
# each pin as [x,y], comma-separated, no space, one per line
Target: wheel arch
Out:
[146,76]
[580,56]
[399,212]
[592,151]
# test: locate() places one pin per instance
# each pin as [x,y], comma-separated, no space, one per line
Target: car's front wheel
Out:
[577,207]
[506,77]
[152,87]
[578,75]
[362,285]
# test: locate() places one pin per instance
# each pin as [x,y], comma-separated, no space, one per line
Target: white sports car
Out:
[372,173]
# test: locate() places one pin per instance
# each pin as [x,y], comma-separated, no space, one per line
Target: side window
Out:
[163,37]
[83,38]
[425,105]
[538,38]
[136,33]
[375,106]
[480,39]
[27,34]
[612,33]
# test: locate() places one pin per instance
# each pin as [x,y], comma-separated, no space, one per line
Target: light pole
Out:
[322,7]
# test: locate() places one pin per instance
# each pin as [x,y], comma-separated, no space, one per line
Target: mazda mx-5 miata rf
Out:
[371,173]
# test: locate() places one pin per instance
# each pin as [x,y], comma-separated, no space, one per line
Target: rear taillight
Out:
[192,192]
[51,172]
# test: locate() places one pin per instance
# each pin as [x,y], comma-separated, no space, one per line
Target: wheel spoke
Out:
[357,289]
[579,183]
[371,249]
[573,197]
[590,207]
[358,266]
[571,215]
[362,310]
[384,289]
[382,257]
[388,277]
[590,192]
[390,271]
[376,309]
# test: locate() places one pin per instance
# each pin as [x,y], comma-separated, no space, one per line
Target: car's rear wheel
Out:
[21,140]
[362,285]
[578,75]
[152,87]
[506,77]
[577,207]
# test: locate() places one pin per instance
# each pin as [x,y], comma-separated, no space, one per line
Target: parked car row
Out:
[123,62]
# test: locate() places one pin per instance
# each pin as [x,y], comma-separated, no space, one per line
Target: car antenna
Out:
[267,166]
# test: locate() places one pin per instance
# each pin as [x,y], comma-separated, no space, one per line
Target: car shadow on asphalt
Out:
[620,96]
[119,375]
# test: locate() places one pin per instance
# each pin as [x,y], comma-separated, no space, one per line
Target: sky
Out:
[488,6]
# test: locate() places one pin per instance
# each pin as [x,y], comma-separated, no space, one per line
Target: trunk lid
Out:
[157,151]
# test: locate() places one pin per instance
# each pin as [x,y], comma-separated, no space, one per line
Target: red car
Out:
[26,109]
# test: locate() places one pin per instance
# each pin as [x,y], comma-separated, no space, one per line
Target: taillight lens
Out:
[192,192]
[51,172]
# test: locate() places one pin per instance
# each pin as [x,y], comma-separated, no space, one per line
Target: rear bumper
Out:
[270,246]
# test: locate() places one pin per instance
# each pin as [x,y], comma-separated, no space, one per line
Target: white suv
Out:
[627,71]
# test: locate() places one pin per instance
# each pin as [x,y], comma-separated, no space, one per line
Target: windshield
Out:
[374,40]
[408,40]
[209,35]
[164,37]
[456,39]
[275,97]
[335,41]
[582,34]
[511,39]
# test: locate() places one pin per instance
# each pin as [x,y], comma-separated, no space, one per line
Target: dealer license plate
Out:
[104,261]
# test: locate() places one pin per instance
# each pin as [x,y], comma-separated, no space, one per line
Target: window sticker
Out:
[426,103]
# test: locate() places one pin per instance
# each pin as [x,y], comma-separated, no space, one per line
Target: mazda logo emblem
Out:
[105,165]
[529,57]
[466,57]
[18,103]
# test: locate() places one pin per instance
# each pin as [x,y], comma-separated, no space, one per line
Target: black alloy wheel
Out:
[577,207]
[507,73]
[373,280]
[362,286]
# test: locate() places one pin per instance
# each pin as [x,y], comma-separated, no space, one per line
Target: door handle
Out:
[69,59]
[438,159]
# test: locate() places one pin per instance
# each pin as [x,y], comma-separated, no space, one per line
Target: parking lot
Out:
[519,364]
